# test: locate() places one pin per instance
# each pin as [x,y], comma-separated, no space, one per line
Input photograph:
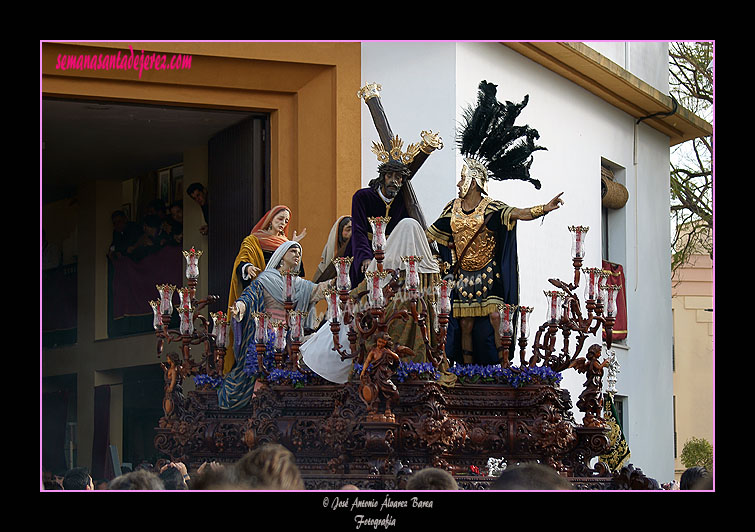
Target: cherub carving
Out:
[376,381]
[591,399]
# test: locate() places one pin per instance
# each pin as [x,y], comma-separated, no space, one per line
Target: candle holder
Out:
[192,263]
[279,341]
[506,312]
[343,280]
[524,331]
[579,233]
[220,330]
[166,300]
[261,329]
[185,295]
[554,310]
[379,225]
[157,319]
[186,314]
[375,294]
[412,275]
[296,335]
[189,312]
[288,285]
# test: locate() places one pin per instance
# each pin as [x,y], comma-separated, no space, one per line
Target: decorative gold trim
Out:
[371,90]
[537,211]
[430,142]
[395,153]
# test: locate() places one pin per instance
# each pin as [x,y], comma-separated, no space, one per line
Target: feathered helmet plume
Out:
[492,146]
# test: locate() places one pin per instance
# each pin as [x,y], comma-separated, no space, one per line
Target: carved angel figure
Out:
[591,399]
[376,380]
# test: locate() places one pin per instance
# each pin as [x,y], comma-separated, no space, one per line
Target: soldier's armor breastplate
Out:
[464,227]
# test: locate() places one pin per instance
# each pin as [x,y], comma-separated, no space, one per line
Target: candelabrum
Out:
[372,320]
[565,314]
[286,334]
[188,311]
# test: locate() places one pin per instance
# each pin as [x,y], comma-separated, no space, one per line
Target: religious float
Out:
[394,417]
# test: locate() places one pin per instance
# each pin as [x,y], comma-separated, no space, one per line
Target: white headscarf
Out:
[272,280]
[331,246]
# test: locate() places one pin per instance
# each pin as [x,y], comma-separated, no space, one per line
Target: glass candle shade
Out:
[375,293]
[555,299]
[412,272]
[343,265]
[166,298]
[612,293]
[288,284]
[443,295]
[334,309]
[506,312]
[260,327]
[184,294]
[296,324]
[187,320]
[192,263]
[578,241]
[592,286]
[220,328]
[279,328]
[524,321]
[157,319]
[378,223]
[602,292]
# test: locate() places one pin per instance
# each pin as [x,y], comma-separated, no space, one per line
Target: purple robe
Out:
[367,203]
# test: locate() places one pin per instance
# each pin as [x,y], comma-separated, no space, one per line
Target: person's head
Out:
[344,230]
[270,466]
[291,259]
[100,484]
[78,478]
[431,478]
[391,177]
[172,479]
[141,479]
[157,207]
[530,476]
[198,193]
[693,477]
[119,220]
[279,221]
[152,224]
[177,211]
[218,478]
[473,178]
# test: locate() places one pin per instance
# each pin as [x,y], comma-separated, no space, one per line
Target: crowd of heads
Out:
[161,225]
[272,467]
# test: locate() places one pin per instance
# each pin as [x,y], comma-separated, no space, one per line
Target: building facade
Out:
[585,101]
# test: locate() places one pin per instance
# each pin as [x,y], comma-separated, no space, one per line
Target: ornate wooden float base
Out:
[456,428]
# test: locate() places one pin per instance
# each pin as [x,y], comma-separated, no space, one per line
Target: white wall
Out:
[437,80]
[647,60]
[418,82]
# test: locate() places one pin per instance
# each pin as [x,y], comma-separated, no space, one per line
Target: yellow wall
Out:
[693,353]
[309,90]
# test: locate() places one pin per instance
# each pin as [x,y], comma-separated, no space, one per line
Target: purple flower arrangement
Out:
[482,374]
[205,382]
[409,371]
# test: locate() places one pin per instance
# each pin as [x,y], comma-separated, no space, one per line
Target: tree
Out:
[691,83]
[697,452]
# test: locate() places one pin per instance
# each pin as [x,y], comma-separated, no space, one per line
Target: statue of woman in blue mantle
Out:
[266,294]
